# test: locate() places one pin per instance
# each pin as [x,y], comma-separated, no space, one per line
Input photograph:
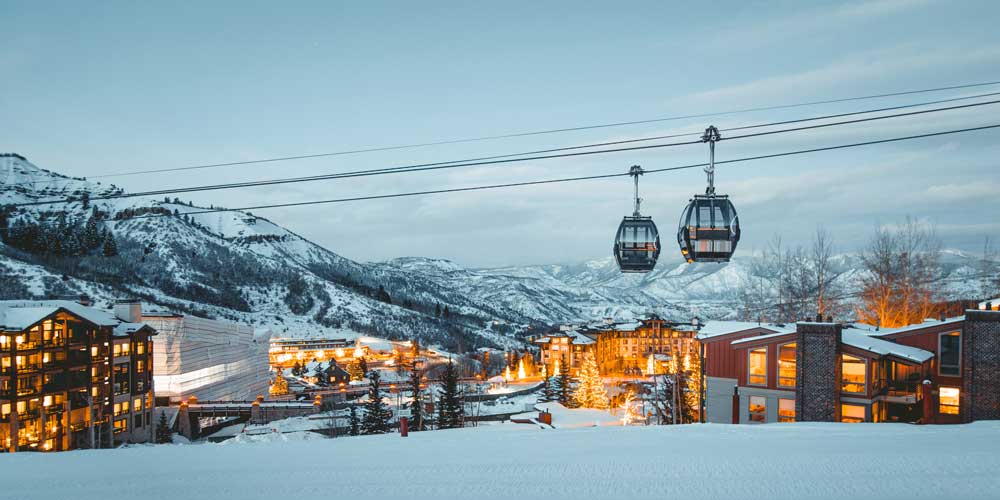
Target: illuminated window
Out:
[786,366]
[758,366]
[852,413]
[137,403]
[121,425]
[950,353]
[948,401]
[758,409]
[140,348]
[5,410]
[852,374]
[93,351]
[786,410]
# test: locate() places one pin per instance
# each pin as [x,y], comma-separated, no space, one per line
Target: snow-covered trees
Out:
[451,406]
[590,391]
[357,368]
[377,414]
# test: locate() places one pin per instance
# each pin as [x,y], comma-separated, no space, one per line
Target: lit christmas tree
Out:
[590,392]
[630,407]
[280,385]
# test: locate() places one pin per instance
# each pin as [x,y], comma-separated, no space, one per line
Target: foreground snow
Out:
[512,461]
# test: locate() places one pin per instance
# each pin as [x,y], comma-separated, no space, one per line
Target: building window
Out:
[852,374]
[121,425]
[786,365]
[950,353]
[758,409]
[786,410]
[948,401]
[758,366]
[852,413]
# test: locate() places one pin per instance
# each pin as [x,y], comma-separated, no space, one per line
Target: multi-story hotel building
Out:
[943,371]
[72,377]
[619,348]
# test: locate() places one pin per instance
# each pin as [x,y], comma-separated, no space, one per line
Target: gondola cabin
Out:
[709,229]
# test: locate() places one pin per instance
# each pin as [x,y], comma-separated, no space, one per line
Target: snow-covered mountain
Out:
[243,267]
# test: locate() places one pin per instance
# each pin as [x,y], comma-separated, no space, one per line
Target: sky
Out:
[100,89]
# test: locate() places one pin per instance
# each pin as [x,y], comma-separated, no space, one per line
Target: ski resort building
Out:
[619,348]
[625,348]
[209,359]
[940,371]
[72,376]
[565,346]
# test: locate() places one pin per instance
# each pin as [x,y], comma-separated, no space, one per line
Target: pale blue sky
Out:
[106,87]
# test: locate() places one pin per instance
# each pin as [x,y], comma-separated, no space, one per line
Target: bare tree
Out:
[901,266]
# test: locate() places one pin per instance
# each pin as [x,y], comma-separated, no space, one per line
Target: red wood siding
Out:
[720,358]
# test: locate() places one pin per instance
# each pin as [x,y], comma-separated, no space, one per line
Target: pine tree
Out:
[451,406]
[549,389]
[377,414]
[416,412]
[91,238]
[437,310]
[590,391]
[565,389]
[353,419]
[110,248]
[163,432]
[355,370]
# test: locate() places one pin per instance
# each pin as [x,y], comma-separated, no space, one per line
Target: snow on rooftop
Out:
[863,340]
[762,337]
[880,332]
[20,314]
[717,328]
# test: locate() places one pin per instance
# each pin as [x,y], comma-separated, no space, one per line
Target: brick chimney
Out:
[128,310]
[980,396]
[816,369]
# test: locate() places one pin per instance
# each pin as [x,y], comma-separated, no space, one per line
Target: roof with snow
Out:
[575,336]
[762,337]
[994,304]
[719,328]
[862,340]
[17,315]
[881,332]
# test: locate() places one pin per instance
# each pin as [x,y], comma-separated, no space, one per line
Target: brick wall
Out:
[980,397]
[816,372]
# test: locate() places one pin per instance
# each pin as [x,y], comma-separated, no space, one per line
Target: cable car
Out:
[637,242]
[709,229]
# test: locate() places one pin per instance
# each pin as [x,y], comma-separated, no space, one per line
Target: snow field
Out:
[512,461]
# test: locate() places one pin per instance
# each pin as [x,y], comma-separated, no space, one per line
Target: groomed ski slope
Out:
[511,461]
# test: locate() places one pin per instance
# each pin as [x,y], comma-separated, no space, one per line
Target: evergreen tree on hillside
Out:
[109,248]
[590,392]
[383,295]
[377,414]
[163,432]
[451,406]
[549,389]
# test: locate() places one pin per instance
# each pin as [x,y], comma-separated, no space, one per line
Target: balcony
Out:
[901,391]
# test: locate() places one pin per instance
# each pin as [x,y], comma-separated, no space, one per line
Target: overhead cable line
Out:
[552,131]
[425,167]
[573,179]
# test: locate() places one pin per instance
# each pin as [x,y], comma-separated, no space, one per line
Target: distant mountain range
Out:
[245,268]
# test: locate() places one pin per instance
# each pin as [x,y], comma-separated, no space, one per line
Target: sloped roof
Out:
[762,337]
[16,315]
[718,328]
[881,332]
[862,340]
